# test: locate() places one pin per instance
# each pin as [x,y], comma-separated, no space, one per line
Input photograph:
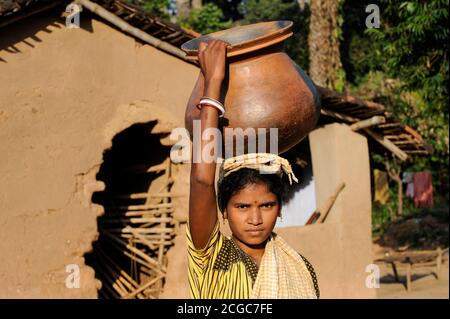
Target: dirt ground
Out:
[424,283]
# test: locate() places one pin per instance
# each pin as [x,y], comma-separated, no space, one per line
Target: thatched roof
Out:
[389,134]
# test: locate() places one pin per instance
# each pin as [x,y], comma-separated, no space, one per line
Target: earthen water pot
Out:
[263,87]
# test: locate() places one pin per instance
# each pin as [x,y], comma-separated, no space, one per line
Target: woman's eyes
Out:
[270,205]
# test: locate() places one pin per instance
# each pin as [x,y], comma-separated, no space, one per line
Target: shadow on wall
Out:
[136,229]
[26,30]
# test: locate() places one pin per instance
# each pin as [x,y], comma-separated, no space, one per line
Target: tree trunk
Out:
[323,42]
[395,176]
[185,6]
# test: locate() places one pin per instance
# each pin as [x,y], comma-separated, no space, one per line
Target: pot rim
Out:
[276,31]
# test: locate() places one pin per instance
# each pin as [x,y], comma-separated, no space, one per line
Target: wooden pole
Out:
[138,207]
[313,218]
[325,209]
[383,140]
[388,144]
[143,287]
[375,120]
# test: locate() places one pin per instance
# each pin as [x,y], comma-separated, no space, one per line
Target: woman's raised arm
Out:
[202,198]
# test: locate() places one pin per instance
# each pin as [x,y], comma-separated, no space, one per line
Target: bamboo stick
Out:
[139,230]
[148,230]
[135,220]
[388,144]
[134,250]
[139,213]
[313,218]
[148,284]
[146,195]
[134,258]
[118,269]
[139,260]
[120,283]
[146,241]
[162,189]
[396,124]
[399,142]
[325,209]
[416,152]
[375,120]
[112,282]
[137,207]
[111,291]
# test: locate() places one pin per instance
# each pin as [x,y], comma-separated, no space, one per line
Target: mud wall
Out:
[65,93]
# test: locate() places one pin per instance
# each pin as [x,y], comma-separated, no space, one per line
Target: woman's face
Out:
[252,213]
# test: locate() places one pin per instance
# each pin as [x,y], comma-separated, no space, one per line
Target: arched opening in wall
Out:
[137,228]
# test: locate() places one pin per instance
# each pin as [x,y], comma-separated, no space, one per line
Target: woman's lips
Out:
[255,232]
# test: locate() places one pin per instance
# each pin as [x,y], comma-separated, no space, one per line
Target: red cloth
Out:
[423,190]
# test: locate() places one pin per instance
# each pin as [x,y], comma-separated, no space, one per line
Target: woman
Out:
[254,262]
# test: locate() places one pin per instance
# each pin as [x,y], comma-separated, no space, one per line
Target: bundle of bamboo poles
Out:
[138,236]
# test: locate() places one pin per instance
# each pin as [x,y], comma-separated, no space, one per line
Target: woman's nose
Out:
[255,217]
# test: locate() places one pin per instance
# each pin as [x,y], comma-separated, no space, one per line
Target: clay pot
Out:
[263,87]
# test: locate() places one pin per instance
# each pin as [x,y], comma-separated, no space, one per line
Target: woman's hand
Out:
[211,57]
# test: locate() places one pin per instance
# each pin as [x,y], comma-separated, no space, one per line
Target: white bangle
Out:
[214,103]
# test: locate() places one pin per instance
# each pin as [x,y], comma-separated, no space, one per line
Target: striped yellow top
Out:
[220,270]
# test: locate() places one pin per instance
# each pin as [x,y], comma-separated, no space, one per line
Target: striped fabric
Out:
[222,271]
[207,277]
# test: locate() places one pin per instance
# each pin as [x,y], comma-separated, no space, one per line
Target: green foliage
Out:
[207,19]
[154,7]
[255,11]
[404,66]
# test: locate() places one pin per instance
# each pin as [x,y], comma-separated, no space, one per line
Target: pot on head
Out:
[263,90]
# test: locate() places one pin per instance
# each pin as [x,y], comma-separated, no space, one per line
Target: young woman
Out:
[254,262]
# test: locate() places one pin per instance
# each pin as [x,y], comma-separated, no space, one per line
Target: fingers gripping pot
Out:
[263,88]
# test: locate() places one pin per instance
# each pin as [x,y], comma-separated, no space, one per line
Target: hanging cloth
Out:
[423,190]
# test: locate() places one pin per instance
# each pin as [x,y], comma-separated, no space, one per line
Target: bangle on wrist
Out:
[212,102]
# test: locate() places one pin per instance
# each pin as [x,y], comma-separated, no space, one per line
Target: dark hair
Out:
[236,181]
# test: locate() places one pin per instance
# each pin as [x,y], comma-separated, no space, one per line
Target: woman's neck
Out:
[254,251]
